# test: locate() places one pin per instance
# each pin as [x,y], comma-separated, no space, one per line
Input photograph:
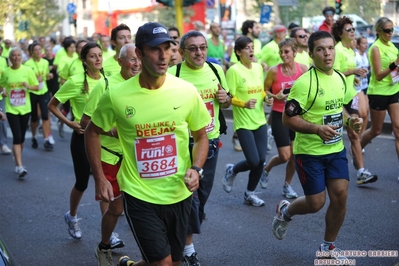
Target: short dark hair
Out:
[246,25]
[240,44]
[294,31]
[115,31]
[328,8]
[68,41]
[317,36]
[188,35]
[175,29]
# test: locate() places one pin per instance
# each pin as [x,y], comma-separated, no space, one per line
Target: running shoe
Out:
[331,253]
[366,177]
[20,171]
[5,149]
[236,144]
[104,257]
[252,199]
[228,179]
[125,261]
[115,242]
[48,146]
[73,226]
[289,192]
[270,139]
[279,224]
[34,143]
[191,260]
[264,179]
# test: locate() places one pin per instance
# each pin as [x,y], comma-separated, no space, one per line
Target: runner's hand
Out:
[191,179]
[356,123]
[327,132]
[104,190]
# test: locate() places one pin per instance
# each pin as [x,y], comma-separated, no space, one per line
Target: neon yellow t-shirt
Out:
[153,130]
[72,68]
[111,67]
[257,52]
[326,109]
[270,54]
[206,83]
[388,55]
[59,55]
[41,69]
[18,98]
[73,90]
[303,58]
[6,51]
[107,54]
[246,84]
[345,60]
[111,143]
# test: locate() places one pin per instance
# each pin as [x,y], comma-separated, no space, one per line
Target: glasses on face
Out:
[303,36]
[350,29]
[387,30]
[194,49]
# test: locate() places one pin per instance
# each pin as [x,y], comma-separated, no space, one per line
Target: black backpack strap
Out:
[214,70]
[178,67]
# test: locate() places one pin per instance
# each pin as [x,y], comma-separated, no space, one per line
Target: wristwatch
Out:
[199,170]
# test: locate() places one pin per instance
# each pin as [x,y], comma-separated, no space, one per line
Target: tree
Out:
[167,15]
[43,16]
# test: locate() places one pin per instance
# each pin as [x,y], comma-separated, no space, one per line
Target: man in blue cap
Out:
[153,113]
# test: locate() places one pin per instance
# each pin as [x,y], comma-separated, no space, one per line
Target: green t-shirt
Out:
[303,58]
[107,54]
[73,90]
[246,84]
[18,98]
[257,52]
[111,67]
[270,54]
[41,69]
[216,52]
[6,51]
[345,60]
[153,130]
[206,83]
[111,143]
[388,55]
[59,55]
[72,68]
[326,109]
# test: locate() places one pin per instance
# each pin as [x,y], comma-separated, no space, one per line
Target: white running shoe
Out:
[20,171]
[228,179]
[73,226]
[5,149]
[289,192]
[252,199]
[279,224]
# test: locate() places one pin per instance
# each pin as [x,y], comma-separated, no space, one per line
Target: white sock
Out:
[360,171]
[72,218]
[188,250]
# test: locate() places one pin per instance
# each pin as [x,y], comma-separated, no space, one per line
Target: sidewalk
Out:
[387,128]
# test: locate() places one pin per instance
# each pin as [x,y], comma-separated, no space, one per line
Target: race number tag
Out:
[157,156]
[334,120]
[210,106]
[286,86]
[395,76]
[18,97]
[355,103]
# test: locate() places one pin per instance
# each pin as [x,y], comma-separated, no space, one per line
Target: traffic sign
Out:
[71,8]
[210,3]
[265,12]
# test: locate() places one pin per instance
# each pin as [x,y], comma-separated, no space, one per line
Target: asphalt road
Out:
[32,223]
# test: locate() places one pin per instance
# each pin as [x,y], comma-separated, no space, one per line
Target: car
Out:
[5,256]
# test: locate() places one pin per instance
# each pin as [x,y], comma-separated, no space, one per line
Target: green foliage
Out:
[43,16]
[167,15]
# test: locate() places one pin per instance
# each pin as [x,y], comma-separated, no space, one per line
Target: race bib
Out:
[211,110]
[286,86]
[395,76]
[156,157]
[334,120]
[18,97]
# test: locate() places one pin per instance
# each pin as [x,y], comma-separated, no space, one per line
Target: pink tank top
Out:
[285,83]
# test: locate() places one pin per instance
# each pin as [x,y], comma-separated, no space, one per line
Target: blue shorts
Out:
[314,170]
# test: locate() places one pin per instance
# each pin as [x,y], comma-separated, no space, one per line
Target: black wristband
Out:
[392,66]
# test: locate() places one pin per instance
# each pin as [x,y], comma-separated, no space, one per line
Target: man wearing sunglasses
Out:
[328,13]
[301,38]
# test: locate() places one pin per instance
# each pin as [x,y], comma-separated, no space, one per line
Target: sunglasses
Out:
[302,36]
[350,29]
[387,30]
[194,49]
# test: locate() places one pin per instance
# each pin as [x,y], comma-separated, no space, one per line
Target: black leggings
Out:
[18,125]
[81,164]
[42,100]
[254,146]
